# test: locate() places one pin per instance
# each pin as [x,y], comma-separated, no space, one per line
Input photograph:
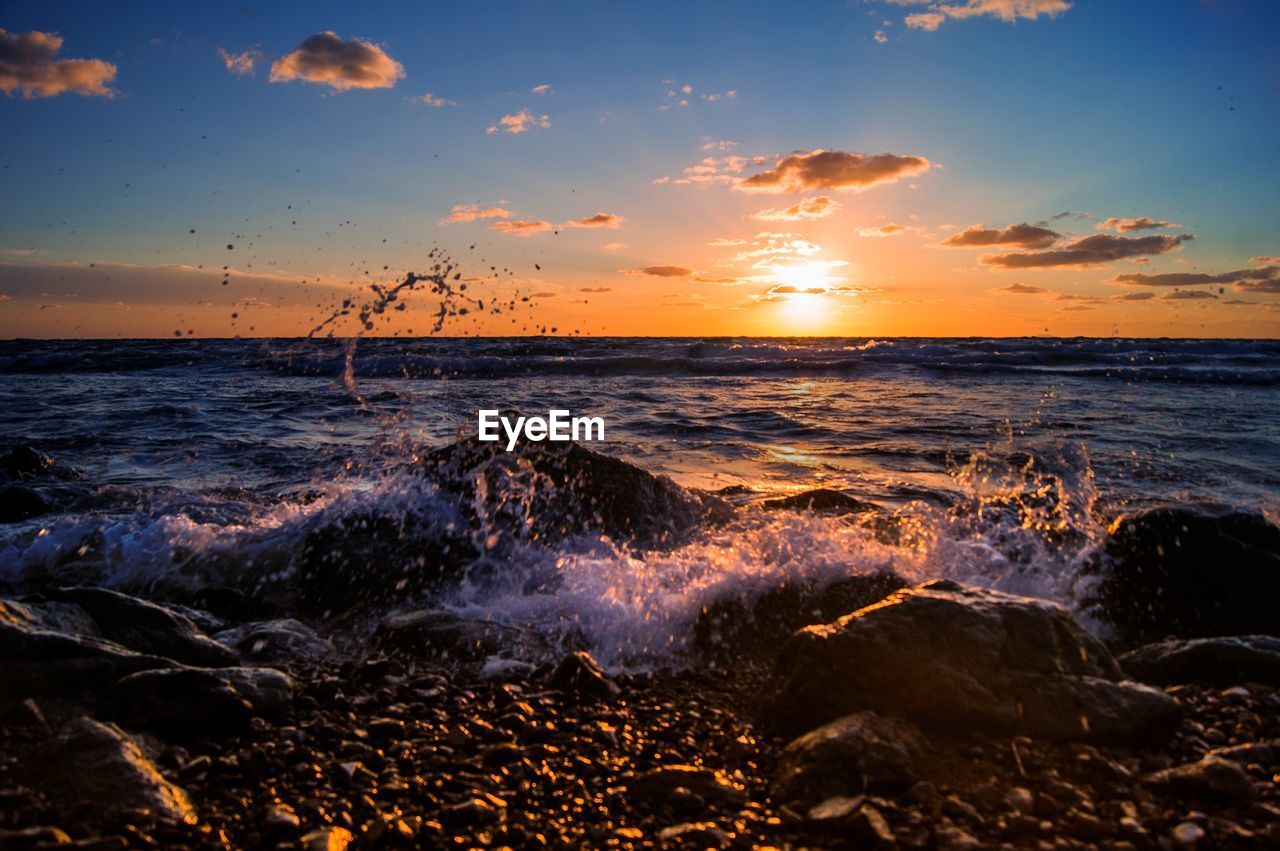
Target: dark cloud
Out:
[663,271]
[1184,295]
[1264,279]
[29,63]
[821,169]
[326,59]
[1022,236]
[1021,289]
[1129,225]
[1097,250]
[595,289]
[1133,297]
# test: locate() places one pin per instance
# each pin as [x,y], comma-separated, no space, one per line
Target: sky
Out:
[889,167]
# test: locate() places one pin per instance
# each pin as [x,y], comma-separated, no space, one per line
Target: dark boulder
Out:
[856,753]
[1211,778]
[954,658]
[441,635]
[578,673]
[145,627]
[737,629]
[24,462]
[1189,573]
[20,502]
[198,702]
[822,500]
[276,642]
[97,770]
[545,491]
[1208,661]
[40,656]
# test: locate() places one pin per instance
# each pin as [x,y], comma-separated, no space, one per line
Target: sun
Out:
[806,303]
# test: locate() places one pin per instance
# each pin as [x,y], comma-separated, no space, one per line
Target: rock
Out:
[735,629]
[1207,661]
[699,834]
[197,701]
[835,811]
[580,674]
[32,837]
[20,502]
[858,752]
[568,490]
[440,634]
[146,627]
[1189,573]
[477,812]
[38,660]
[1211,778]
[24,462]
[328,839]
[660,785]
[1266,754]
[276,642]
[955,658]
[96,765]
[821,499]
[1187,835]
[868,829]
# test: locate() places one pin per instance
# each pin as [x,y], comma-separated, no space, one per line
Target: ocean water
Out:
[1002,460]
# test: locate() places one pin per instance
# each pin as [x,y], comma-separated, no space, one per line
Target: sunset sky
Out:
[897,167]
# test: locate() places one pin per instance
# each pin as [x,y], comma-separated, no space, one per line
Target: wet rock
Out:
[578,673]
[1211,778]
[1207,661]
[566,489]
[197,701]
[37,658]
[440,634]
[662,785]
[145,627]
[328,839]
[1266,754]
[24,462]
[700,834]
[868,829]
[823,500]
[97,765]
[852,754]
[1187,835]
[32,838]
[955,658]
[477,812]
[735,629]
[20,502]
[276,642]
[835,811]
[1190,573]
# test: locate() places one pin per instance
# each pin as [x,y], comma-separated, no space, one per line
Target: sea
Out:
[1005,460]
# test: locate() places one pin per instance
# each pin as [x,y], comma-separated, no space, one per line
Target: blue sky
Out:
[1162,109]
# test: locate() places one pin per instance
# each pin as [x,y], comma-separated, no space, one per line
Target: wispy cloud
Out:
[522,227]
[473,212]
[821,169]
[327,60]
[29,64]
[1130,225]
[1264,279]
[1022,236]
[519,122]
[1009,11]
[599,220]
[1021,289]
[889,229]
[1097,250]
[433,101]
[241,63]
[818,207]
[542,89]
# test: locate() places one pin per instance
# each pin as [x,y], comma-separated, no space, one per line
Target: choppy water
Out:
[229,447]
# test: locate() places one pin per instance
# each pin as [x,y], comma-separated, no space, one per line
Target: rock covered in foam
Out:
[1208,661]
[950,657]
[1190,573]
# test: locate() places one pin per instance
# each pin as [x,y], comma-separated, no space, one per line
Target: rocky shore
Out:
[859,714]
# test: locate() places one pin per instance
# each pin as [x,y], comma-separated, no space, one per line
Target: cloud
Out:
[822,169]
[726,243]
[721,145]
[1266,261]
[240,63]
[710,170]
[890,229]
[472,212]
[662,271]
[1186,295]
[1009,11]
[29,63]
[616,246]
[880,37]
[682,95]
[1097,250]
[1134,296]
[1021,289]
[1082,299]
[543,89]
[1023,236]
[327,60]
[519,122]
[1263,279]
[1129,225]
[595,289]
[599,220]
[431,100]
[522,227]
[818,207]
